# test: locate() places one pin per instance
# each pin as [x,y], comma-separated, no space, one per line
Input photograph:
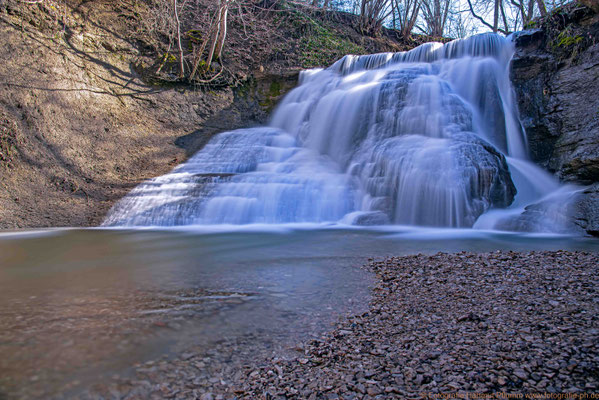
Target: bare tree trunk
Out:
[165,58]
[435,14]
[412,21]
[542,8]
[503,16]
[520,6]
[531,10]
[407,16]
[481,19]
[496,16]
[216,36]
[178,25]
[372,15]
[200,52]
[444,18]
[224,11]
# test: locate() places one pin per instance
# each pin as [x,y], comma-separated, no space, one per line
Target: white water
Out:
[413,138]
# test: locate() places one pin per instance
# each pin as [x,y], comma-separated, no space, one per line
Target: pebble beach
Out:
[490,325]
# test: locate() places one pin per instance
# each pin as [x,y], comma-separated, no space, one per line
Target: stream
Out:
[78,306]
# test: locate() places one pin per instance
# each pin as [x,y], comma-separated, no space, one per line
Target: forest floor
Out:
[485,324]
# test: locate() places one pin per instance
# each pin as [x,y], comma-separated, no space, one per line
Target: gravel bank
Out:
[497,323]
[483,323]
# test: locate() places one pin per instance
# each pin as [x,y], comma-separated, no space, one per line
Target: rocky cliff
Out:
[556,77]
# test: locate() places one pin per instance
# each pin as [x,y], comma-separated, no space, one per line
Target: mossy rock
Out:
[567,37]
[531,24]
[568,43]
[275,89]
[265,92]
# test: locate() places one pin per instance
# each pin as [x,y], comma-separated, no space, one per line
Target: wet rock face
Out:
[562,213]
[555,73]
[531,66]
[586,210]
[458,179]
[556,85]
[575,101]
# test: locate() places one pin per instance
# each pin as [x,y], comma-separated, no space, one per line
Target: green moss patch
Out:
[323,47]
[318,44]
[274,89]
[568,43]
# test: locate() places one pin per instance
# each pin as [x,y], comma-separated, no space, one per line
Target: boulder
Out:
[586,210]
[556,214]
[450,182]
[371,219]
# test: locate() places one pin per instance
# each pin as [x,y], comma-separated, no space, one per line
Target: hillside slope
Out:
[81,124]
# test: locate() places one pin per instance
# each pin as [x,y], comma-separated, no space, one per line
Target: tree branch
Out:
[485,23]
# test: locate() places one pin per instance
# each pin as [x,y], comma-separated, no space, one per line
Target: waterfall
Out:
[425,137]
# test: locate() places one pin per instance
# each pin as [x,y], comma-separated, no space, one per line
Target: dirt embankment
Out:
[79,127]
[83,128]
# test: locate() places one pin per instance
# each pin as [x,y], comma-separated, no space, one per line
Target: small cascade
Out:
[428,137]
[246,176]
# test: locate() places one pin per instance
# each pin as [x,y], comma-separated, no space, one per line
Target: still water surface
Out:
[77,305]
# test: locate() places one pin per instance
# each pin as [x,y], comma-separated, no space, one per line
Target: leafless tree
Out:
[178,35]
[508,15]
[216,38]
[526,9]
[479,9]
[460,24]
[372,15]
[405,15]
[435,14]
[202,28]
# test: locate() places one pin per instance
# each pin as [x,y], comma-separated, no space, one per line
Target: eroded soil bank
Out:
[82,123]
[79,128]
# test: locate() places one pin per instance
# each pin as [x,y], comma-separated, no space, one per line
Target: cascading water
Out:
[417,138]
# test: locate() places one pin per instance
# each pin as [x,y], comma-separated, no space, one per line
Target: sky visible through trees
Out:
[434,18]
[449,18]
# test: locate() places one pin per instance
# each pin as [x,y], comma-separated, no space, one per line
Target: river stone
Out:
[372,218]
[586,210]
[559,214]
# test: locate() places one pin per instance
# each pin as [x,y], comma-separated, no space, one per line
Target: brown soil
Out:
[85,129]
[79,127]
